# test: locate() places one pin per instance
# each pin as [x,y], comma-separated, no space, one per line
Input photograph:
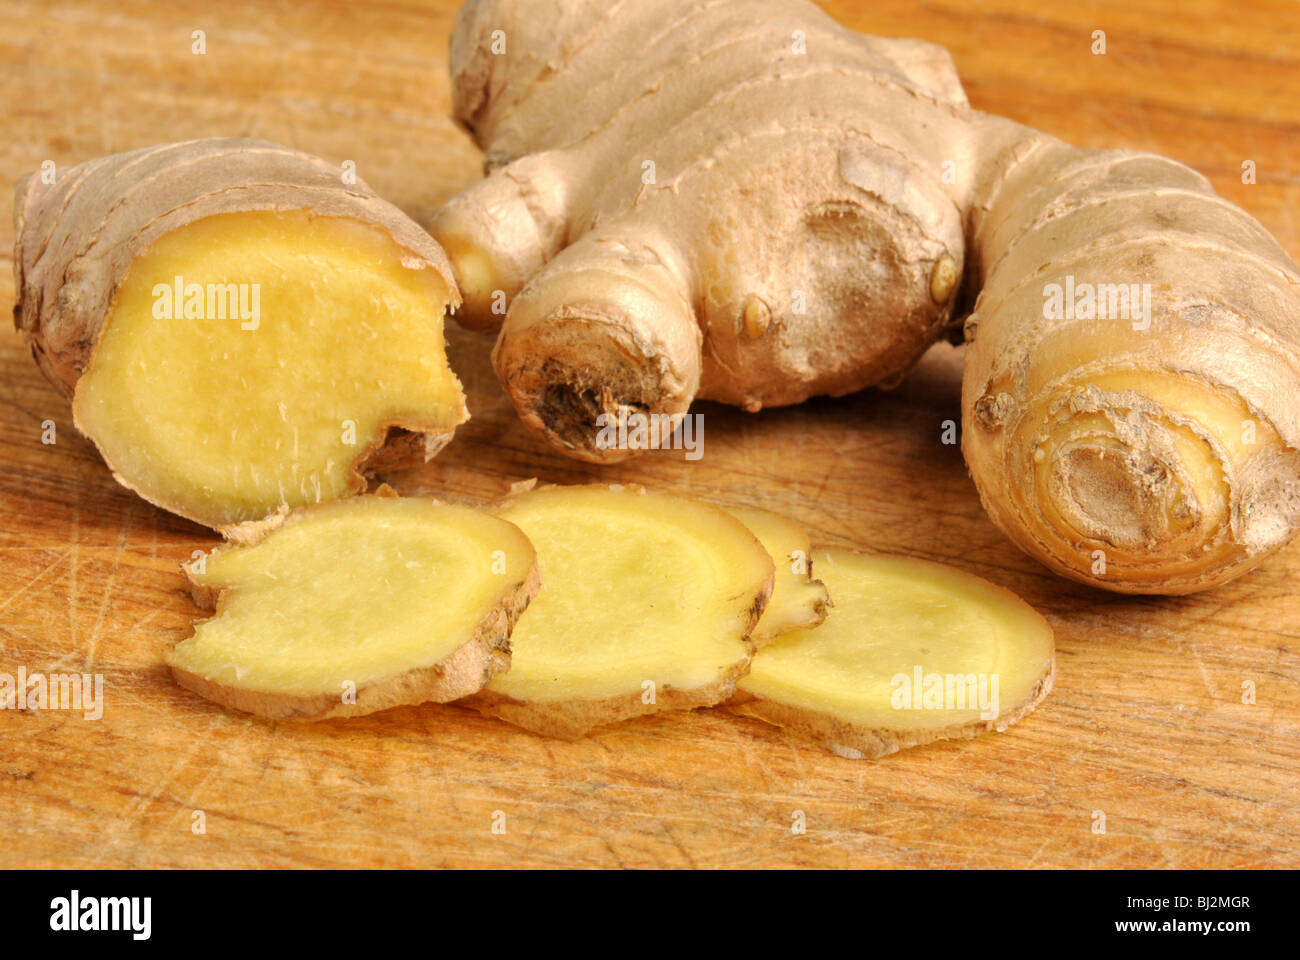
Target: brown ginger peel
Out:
[683,166]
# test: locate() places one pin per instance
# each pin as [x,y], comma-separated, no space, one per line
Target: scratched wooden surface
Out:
[1146,725]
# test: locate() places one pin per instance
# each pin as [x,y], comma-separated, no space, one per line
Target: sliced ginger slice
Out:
[377,600]
[797,599]
[911,653]
[221,418]
[648,603]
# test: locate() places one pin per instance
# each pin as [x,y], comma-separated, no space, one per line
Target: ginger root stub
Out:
[236,327]
[747,202]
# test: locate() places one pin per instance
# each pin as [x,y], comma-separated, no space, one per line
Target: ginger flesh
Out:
[797,599]
[399,600]
[647,603]
[843,683]
[224,419]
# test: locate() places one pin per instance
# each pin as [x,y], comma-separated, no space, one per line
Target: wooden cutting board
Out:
[1147,725]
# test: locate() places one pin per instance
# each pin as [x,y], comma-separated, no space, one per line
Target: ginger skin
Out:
[748,203]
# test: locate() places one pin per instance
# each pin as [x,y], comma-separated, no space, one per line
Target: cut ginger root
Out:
[648,603]
[237,328]
[346,608]
[797,599]
[913,652]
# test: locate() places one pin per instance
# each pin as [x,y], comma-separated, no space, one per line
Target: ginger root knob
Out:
[943,279]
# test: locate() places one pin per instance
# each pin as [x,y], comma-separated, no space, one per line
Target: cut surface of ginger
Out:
[797,599]
[911,652]
[647,604]
[295,343]
[398,600]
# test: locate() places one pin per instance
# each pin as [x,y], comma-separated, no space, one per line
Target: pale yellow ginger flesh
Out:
[397,601]
[911,653]
[324,341]
[647,604]
[797,599]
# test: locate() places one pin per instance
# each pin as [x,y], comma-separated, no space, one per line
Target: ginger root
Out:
[647,604]
[236,327]
[913,652]
[746,202]
[346,608]
[797,599]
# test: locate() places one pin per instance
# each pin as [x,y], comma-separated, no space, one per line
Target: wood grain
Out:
[1146,724]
